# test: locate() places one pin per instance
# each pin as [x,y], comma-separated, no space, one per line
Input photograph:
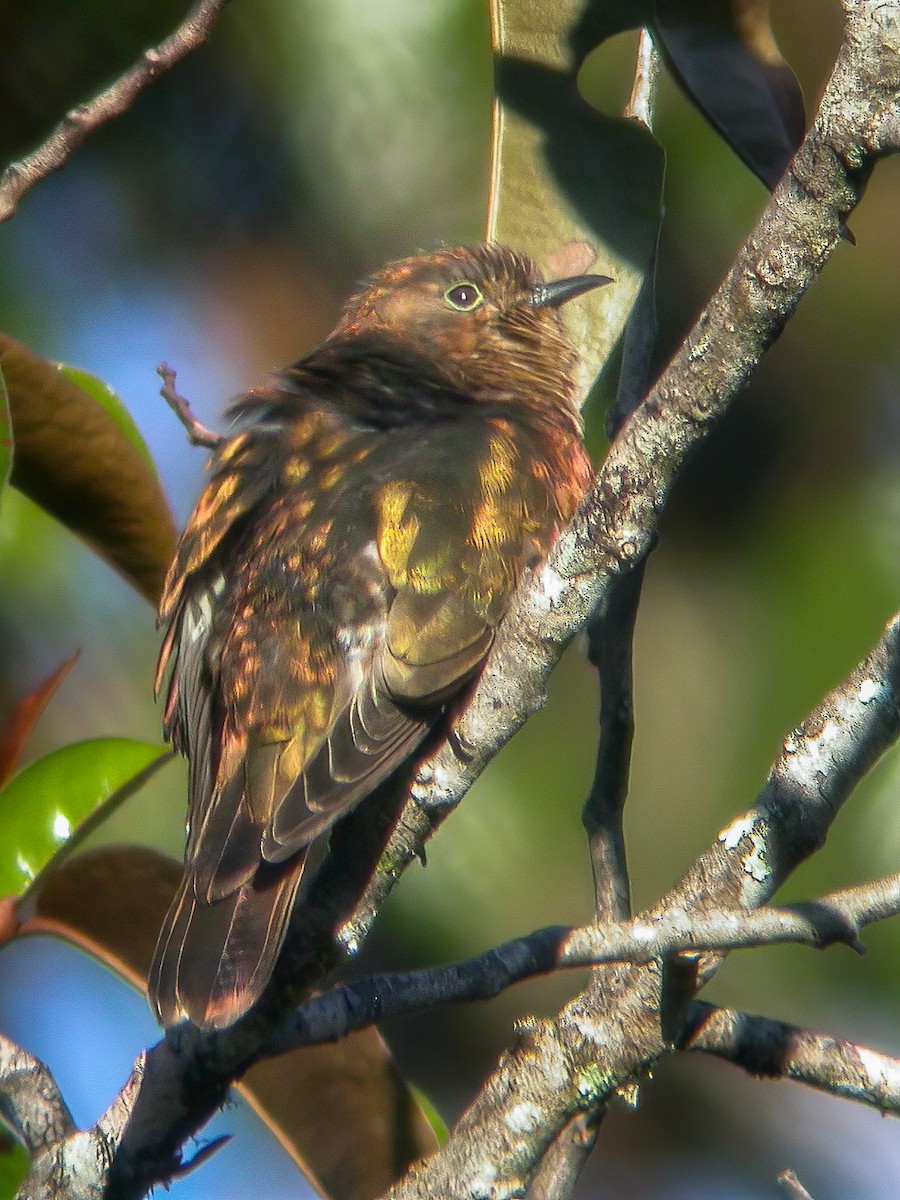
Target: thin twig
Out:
[198,433]
[611,633]
[19,177]
[792,1186]
[771,1049]
[564,1161]
[610,639]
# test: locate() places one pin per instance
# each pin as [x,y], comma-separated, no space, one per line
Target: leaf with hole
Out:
[563,172]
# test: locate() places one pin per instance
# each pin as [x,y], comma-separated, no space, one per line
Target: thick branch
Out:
[20,177]
[30,1101]
[610,1034]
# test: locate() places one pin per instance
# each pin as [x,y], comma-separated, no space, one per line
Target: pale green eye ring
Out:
[464,296]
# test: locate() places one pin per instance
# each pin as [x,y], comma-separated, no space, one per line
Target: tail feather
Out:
[213,960]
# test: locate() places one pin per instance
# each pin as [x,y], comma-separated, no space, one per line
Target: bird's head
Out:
[483,314]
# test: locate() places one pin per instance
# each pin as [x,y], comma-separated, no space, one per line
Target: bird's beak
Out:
[560,291]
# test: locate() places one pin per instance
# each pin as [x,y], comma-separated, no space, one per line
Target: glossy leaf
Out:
[76,456]
[46,808]
[110,400]
[341,1111]
[25,715]
[724,55]
[563,172]
[6,444]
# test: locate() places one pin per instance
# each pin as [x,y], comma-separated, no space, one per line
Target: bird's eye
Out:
[464,296]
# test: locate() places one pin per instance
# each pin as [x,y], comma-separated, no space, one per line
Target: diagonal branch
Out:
[799,229]
[30,1101]
[611,1034]
[19,177]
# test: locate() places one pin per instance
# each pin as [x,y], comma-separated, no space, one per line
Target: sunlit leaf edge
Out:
[104,395]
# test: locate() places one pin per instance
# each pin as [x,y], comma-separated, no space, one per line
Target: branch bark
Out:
[19,177]
[772,1049]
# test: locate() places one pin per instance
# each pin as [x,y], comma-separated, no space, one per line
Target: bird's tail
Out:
[213,960]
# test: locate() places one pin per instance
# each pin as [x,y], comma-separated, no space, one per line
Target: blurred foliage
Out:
[217,226]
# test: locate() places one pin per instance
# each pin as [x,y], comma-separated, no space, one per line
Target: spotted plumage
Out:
[342,578]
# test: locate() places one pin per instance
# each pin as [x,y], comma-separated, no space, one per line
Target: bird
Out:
[336,591]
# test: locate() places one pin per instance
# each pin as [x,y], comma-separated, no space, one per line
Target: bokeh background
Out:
[217,226]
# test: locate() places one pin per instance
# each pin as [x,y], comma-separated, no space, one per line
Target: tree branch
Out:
[836,917]
[792,1186]
[19,177]
[30,1101]
[799,229]
[198,434]
[612,1033]
[772,1049]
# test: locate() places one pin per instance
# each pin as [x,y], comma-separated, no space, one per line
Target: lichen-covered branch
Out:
[837,917]
[19,177]
[30,1101]
[772,1049]
[619,1026]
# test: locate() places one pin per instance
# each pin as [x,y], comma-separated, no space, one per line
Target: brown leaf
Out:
[342,1111]
[563,172]
[724,55]
[75,460]
[9,919]
[25,716]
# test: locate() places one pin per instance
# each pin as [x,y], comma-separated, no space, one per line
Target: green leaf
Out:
[6,444]
[14,1165]
[563,172]
[76,457]
[45,808]
[104,394]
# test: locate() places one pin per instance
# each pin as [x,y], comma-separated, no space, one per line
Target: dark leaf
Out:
[602,19]
[724,55]
[78,457]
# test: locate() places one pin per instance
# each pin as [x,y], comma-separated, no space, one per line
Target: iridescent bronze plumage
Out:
[342,578]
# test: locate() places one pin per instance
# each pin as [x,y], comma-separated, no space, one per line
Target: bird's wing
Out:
[451,543]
